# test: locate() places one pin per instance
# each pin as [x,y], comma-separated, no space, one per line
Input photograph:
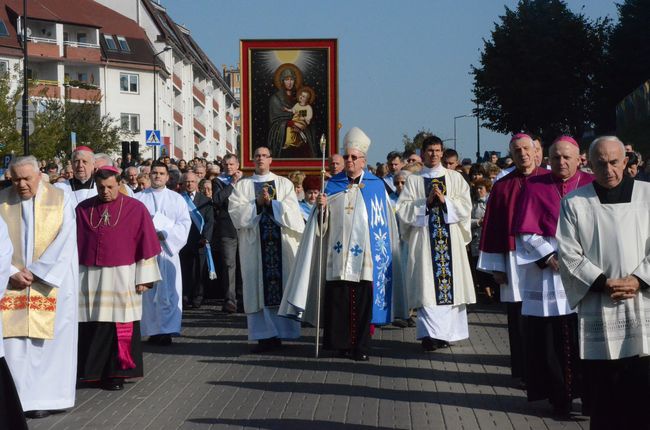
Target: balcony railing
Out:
[81,44]
[178,117]
[84,92]
[177,81]
[44,88]
[200,128]
[216,136]
[198,95]
[72,52]
[43,47]
[215,105]
[41,39]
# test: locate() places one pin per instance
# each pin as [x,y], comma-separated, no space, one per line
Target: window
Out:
[129,83]
[4,67]
[66,36]
[82,77]
[82,38]
[110,42]
[130,122]
[3,29]
[124,46]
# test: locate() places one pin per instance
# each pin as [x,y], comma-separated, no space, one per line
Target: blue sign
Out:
[73,139]
[152,138]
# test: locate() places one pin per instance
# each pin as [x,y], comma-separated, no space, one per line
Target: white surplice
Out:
[45,371]
[614,240]
[263,322]
[543,294]
[6,252]
[444,322]
[162,305]
[79,196]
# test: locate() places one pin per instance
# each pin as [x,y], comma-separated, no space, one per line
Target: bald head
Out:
[564,158]
[608,160]
[336,164]
[189,182]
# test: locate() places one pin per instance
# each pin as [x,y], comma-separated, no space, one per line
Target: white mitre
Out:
[357,139]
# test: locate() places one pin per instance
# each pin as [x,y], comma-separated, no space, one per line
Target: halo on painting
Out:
[277,81]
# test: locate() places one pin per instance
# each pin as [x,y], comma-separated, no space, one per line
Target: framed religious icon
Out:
[289,100]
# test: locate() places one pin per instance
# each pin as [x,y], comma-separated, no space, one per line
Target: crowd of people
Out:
[103,252]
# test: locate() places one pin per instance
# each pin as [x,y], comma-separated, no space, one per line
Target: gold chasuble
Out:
[30,312]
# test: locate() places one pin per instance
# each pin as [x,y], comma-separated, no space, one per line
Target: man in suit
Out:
[193,256]
[225,236]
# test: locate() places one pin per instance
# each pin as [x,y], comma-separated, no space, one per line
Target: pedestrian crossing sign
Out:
[152,138]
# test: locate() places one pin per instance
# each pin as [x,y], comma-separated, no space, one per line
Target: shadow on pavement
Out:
[284,424]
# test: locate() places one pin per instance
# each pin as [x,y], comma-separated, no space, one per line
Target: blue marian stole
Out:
[374,196]
[440,246]
[199,222]
[271,241]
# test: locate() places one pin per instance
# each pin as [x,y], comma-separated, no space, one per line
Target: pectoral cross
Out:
[349,208]
[106,217]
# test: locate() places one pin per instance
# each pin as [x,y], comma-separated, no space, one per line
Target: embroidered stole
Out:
[271,243]
[440,246]
[30,312]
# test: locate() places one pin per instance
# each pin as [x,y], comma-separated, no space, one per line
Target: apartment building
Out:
[197,106]
[137,66]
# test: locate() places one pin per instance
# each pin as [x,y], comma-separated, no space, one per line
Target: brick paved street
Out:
[207,379]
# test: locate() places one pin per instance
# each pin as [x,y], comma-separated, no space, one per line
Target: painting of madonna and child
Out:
[289,100]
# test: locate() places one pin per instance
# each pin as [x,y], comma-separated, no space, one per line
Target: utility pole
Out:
[25,84]
[478,134]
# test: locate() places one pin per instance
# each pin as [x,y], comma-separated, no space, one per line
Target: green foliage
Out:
[415,143]
[10,139]
[55,119]
[539,72]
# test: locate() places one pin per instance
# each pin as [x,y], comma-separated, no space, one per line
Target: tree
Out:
[416,142]
[10,138]
[538,72]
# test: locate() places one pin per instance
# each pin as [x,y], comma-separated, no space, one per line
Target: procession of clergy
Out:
[570,250]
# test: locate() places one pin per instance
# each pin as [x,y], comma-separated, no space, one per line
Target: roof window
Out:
[124,46]
[110,42]
[3,29]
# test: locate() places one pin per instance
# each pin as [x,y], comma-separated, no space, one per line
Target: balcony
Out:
[178,83]
[42,47]
[178,117]
[216,136]
[80,91]
[198,127]
[82,51]
[229,147]
[228,119]
[198,94]
[215,105]
[43,88]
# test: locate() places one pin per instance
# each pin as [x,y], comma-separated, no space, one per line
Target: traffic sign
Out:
[152,138]
[7,160]
[30,125]
[31,110]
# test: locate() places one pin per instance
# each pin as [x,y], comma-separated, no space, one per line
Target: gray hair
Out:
[104,157]
[596,143]
[24,160]
[131,167]
[80,152]
[402,173]
[530,139]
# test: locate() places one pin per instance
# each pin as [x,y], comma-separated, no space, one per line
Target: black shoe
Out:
[441,343]
[410,322]
[263,345]
[360,356]
[37,414]
[113,384]
[164,339]
[197,302]
[400,323]
[229,308]
[155,339]
[428,344]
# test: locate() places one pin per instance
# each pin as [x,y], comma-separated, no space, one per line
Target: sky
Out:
[403,65]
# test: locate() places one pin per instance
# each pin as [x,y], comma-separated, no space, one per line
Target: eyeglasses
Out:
[261,156]
[352,157]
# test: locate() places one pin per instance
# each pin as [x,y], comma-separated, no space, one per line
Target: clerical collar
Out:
[262,178]
[622,193]
[77,184]
[434,169]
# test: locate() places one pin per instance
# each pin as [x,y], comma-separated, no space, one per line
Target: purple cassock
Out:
[538,209]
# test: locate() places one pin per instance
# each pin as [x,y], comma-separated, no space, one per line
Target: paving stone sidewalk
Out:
[208,380]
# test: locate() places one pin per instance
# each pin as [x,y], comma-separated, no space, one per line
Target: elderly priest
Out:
[117,248]
[604,257]
[39,309]
[360,258]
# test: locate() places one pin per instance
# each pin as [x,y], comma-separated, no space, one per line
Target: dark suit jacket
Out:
[223,224]
[204,205]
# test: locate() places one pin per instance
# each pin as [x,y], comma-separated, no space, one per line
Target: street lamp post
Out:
[25,84]
[455,118]
[155,97]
